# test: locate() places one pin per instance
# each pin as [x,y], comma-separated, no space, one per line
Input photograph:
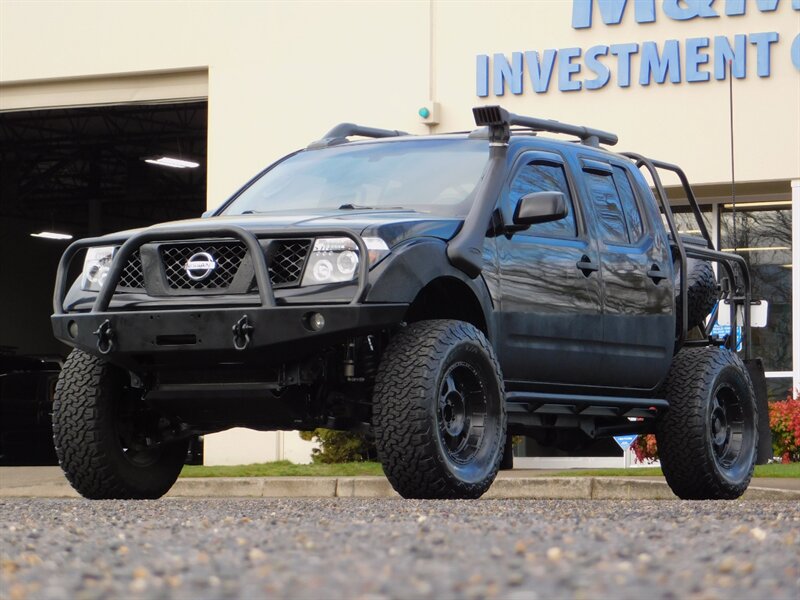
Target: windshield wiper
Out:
[349,206]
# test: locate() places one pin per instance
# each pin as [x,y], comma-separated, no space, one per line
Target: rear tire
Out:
[439,411]
[708,437]
[99,447]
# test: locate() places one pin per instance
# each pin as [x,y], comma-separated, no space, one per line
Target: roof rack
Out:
[338,135]
[497,118]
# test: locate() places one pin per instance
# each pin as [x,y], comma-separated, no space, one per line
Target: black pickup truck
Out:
[440,293]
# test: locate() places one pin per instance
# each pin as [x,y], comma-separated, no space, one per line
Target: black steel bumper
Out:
[148,334]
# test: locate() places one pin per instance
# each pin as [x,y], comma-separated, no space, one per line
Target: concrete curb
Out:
[576,488]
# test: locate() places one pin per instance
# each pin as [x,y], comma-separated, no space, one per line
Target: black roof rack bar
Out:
[340,133]
[497,116]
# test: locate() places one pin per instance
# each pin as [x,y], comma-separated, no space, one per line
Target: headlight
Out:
[336,259]
[95,267]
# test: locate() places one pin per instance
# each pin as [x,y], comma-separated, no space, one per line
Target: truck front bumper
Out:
[217,330]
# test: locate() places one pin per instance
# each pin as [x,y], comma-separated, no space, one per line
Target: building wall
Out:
[281,73]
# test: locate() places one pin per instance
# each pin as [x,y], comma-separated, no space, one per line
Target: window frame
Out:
[522,160]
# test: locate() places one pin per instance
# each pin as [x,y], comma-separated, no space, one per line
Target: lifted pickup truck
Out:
[440,293]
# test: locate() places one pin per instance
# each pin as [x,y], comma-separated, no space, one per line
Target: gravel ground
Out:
[356,548]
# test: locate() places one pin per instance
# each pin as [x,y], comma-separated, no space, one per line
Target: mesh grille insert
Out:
[288,258]
[227,256]
[132,275]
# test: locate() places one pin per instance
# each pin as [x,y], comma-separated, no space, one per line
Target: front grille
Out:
[287,260]
[132,275]
[227,255]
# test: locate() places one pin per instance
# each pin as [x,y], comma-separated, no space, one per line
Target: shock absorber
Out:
[368,358]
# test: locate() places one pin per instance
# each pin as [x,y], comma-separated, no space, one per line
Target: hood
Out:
[393,226]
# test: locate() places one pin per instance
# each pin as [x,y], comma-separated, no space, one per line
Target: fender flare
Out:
[416,263]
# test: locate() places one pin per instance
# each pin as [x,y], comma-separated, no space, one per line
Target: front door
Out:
[550,288]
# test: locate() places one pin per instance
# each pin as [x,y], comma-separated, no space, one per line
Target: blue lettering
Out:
[725,55]
[695,58]
[503,71]
[796,52]
[540,72]
[594,65]
[735,8]
[684,10]
[482,75]
[657,67]
[623,53]
[611,12]
[566,68]
[763,43]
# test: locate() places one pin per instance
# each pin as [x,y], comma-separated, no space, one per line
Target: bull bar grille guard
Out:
[129,245]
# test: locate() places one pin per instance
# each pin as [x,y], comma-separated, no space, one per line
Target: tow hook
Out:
[241,333]
[105,337]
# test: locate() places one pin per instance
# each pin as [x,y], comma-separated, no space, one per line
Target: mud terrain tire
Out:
[707,439]
[90,445]
[701,292]
[439,411]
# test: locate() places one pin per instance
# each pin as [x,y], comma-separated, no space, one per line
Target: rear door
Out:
[638,327]
[551,327]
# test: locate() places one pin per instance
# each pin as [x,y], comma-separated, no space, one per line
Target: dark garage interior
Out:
[78,172]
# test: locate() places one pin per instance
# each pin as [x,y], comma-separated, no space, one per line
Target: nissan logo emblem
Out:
[200,265]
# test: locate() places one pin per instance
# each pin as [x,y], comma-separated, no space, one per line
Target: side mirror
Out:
[540,207]
[208,213]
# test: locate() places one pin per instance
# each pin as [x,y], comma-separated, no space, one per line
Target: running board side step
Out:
[537,403]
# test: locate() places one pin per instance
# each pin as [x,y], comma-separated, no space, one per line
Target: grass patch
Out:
[791,470]
[284,468]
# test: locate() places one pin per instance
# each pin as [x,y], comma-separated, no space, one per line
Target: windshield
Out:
[435,176]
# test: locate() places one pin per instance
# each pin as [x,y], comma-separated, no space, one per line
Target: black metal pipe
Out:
[205,231]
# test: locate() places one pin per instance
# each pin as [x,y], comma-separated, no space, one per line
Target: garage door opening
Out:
[70,173]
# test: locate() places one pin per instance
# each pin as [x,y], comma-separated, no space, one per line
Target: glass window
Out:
[686,221]
[763,237]
[544,177]
[436,176]
[632,216]
[607,204]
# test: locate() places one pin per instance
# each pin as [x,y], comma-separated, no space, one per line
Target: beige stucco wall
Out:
[281,73]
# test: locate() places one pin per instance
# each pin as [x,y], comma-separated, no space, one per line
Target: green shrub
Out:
[784,419]
[339,446]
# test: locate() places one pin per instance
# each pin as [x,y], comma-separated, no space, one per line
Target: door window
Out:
[604,196]
[633,218]
[541,176]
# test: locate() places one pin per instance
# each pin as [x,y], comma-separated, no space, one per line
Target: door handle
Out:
[586,266]
[656,274]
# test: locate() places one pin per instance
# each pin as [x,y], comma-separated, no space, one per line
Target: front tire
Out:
[708,437]
[439,411]
[98,435]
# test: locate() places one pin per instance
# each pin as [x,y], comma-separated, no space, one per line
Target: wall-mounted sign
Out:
[690,60]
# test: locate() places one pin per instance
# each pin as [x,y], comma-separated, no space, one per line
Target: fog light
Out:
[72,329]
[316,321]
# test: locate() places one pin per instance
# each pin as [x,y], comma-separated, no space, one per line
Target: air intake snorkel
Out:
[465,250]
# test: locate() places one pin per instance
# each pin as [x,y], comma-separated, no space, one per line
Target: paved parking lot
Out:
[388,548]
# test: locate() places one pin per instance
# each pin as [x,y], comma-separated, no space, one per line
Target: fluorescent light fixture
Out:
[764,249]
[760,204]
[52,235]
[169,161]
